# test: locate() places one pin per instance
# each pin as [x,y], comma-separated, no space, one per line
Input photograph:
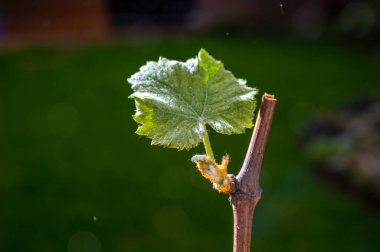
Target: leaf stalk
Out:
[207,144]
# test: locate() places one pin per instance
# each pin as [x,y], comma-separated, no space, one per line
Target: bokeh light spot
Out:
[174,183]
[309,21]
[83,241]
[357,19]
[63,119]
[171,222]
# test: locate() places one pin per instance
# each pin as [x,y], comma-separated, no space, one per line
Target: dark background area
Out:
[163,12]
[75,177]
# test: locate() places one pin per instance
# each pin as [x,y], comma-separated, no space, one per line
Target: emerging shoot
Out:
[175,101]
[217,174]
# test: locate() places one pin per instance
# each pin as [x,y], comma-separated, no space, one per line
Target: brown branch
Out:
[247,190]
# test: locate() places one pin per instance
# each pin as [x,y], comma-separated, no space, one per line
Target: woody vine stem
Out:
[246,192]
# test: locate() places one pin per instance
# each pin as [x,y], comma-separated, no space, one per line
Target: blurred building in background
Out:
[71,19]
[46,19]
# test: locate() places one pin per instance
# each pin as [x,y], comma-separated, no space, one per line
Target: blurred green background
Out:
[74,176]
[73,171]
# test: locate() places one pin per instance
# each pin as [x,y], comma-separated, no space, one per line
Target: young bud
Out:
[214,172]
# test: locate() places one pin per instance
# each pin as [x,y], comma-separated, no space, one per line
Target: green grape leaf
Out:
[175,100]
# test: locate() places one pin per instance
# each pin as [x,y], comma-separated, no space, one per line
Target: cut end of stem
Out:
[268,97]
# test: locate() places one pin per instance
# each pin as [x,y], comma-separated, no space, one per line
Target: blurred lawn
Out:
[75,177]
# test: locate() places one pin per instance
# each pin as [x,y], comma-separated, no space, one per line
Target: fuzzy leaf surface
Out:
[175,100]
